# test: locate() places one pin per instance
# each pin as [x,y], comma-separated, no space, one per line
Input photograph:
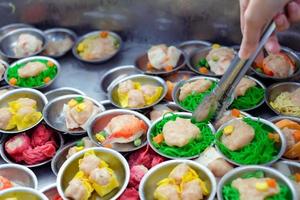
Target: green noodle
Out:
[260,151]
[252,97]
[35,81]
[194,147]
[231,193]
[192,101]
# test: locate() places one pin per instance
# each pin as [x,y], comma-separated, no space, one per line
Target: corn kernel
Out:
[215,58]
[215,46]
[263,186]
[100,138]
[80,47]
[228,130]
[79,148]
[80,107]
[72,103]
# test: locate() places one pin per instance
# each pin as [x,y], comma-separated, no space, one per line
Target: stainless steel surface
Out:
[100,121]
[154,175]
[281,148]
[11,27]
[50,191]
[176,90]
[22,192]
[189,46]
[15,94]
[29,59]
[54,116]
[181,114]
[268,172]
[115,161]
[276,89]
[59,34]
[96,61]
[5,64]
[9,41]
[19,175]
[52,94]
[5,156]
[116,74]
[142,79]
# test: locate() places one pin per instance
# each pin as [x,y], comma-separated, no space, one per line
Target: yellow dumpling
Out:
[167,190]
[151,99]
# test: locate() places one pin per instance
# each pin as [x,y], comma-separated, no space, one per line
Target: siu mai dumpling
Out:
[180,132]
[192,190]
[248,188]
[243,86]
[136,99]
[167,192]
[241,135]
[79,188]
[5,119]
[126,86]
[89,163]
[219,59]
[31,69]
[148,90]
[179,172]
[81,115]
[197,86]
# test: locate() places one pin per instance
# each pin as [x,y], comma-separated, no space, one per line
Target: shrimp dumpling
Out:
[81,116]
[126,86]
[219,59]
[5,117]
[27,44]
[243,86]
[31,69]
[178,172]
[180,132]
[89,163]
[75,190]
[100,175]
[192,190]
[27,102]
[279,65]
[149,90]
[241,135]
[167,192]
[197,86]
[219,167]
[135,99]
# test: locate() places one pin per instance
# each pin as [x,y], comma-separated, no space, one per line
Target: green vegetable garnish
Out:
[79,99]
[259,70]
[203,63]
[79,143]
[137,142]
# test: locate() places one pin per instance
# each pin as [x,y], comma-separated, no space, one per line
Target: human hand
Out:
[256,14]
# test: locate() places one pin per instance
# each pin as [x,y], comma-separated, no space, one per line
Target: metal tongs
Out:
[215,104]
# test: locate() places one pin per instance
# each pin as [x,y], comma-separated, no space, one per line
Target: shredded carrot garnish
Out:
[47,79]
[272,183]
[274,137]
[104,34]
[13,81]
[203,70]
[235,113]
[159,138]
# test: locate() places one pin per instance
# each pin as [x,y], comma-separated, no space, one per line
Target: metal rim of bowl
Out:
[254,168]
[48,188]
[162,72]
[184,72]
[39,32]
[121,112]
[34,192]
[291,54]
[113,70]
[107,105]
[179,84]
[76,91]
[266,122]
[3,152]
[32,58]
[80,39]
[100,149]
[278,118]
[268,91]
[27,90]
[79,132]
[204,169]
[181,114]
[157,79]
[194,42]
[260,84]
[25,169]
[58,155]
[6,65]
[192,68]
[71,34]
[14,25]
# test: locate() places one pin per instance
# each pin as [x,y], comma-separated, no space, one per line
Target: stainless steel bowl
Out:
[13,95]
[282,146]
[19,175]
[176,90]
[116,74]
[143,79]
[154,175]
[50,191]
[107,105]
[5,64]
[22,193]
[276,89]
[171,105]
[228,112]
[58,138]
[11,27]
[54,116]
[9,41]
[115,161]
[142,61]
[52,94]
[79,40]
[59,34]
[5,89]
[269,172]
[189,46]
[30,59]
[194,58]
[100,121]
[182,114]
[278,118]
[293,77]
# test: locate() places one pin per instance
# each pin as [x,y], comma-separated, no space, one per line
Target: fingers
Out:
[282,22]
[243,7]
[273,45]
[293,9]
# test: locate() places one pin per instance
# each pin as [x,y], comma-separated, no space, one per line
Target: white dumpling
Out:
[173,56]
[31,69]
[27,102]
[135,99]
[197,86]
[192,191]
[5,117]
[89,163]
[157,55]
[180,132]
[75,190]
[243,86]
[241,136]
[168,192]
[178,172]
[27,44]
[100,175]
[219,59]
[126,86]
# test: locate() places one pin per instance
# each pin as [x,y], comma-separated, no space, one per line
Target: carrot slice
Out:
[47,79]
[235,113]
[104,34]
[203,70]
[294,152]
[159,138]
[274,137]
[149,66]
[170,87]
[13,81]
[168,68]
[297,177]
[50,64]
[288,124]
[271,183]
[296,135]
[5,183]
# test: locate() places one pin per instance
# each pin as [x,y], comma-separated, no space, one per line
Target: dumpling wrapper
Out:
[6,122]
[243,86]
[31,69]
[167,190]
